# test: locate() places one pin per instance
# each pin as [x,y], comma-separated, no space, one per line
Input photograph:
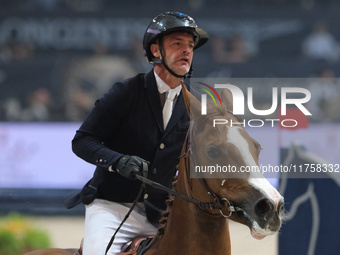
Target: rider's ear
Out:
[227,98]
[154,48]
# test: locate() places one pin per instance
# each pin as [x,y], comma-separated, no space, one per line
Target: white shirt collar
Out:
[163,87]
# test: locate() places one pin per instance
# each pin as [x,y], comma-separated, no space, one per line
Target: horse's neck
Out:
[193,231]
[189,230]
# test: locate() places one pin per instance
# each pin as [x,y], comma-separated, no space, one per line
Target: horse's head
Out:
[226,157]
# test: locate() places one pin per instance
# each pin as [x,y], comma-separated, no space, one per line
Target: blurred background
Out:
[58,56]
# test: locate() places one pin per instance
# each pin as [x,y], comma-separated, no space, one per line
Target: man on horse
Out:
[139,120]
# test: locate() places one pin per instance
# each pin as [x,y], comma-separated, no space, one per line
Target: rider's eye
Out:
[214,152]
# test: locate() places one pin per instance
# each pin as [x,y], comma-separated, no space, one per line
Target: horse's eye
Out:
[214,152]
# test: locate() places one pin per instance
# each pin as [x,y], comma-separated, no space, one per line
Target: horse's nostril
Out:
[262,207]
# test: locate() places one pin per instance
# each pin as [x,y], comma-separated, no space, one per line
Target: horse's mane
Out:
[165,214]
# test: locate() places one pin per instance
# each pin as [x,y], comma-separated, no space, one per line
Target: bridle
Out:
[218,202]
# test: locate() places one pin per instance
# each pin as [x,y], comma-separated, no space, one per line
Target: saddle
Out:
[136,246]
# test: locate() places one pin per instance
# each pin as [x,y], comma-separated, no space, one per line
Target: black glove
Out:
[129,166]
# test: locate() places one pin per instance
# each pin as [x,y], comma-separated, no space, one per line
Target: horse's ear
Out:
[192,104]
[227,98]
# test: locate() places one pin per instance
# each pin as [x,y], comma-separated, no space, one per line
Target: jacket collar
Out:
[155,103]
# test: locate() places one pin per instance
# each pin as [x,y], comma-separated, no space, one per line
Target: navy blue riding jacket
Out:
[128,120]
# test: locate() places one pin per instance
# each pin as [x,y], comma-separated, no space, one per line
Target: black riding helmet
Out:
[171,22]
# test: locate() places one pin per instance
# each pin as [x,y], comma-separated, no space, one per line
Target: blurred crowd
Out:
[99,5]
[80,79]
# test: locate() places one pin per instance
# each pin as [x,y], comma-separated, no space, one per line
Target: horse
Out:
[199,224]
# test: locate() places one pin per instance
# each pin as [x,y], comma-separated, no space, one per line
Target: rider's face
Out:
[178,51]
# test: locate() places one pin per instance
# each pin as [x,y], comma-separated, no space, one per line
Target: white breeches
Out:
[102,218]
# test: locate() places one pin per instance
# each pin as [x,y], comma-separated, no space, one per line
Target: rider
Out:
[125,129]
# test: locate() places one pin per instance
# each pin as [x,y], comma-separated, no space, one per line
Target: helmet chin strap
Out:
[162,61]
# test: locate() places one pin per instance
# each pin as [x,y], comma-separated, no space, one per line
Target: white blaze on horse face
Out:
[256,179]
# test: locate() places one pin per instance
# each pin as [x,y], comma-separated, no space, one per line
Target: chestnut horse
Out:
[245,196]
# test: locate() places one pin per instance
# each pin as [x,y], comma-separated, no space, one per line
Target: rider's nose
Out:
[187,49]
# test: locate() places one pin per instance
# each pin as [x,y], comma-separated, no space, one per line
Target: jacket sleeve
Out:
[90,141]
[93,150]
